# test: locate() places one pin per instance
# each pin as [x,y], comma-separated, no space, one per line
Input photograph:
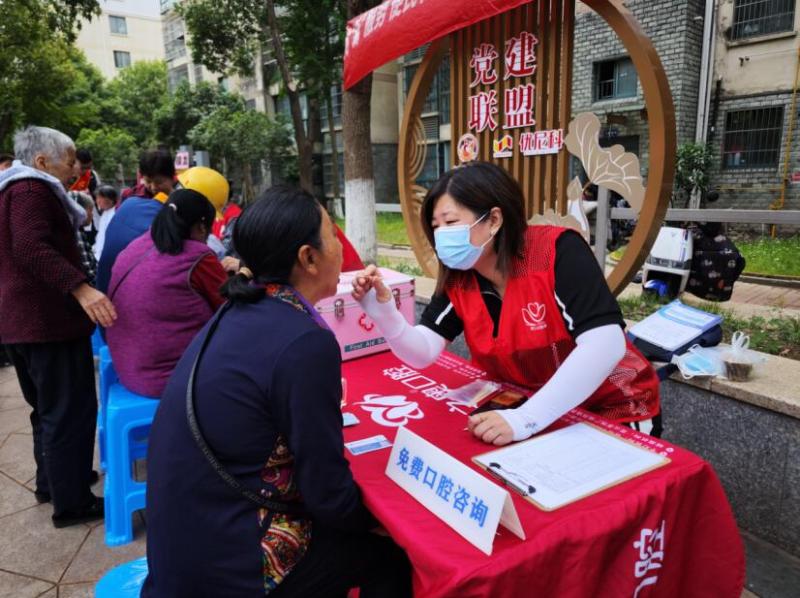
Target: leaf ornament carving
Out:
[613,168]
[550,217]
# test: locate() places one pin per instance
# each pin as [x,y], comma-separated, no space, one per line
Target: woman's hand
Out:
[367,279]
[491,428]
[96,305]
[231,264]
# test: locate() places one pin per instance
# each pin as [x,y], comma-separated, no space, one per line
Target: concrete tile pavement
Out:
[35,558]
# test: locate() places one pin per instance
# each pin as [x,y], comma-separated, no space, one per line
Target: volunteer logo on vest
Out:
[391,411]
[533,315]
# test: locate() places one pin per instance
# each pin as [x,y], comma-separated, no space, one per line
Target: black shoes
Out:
[91,512]
[43,496]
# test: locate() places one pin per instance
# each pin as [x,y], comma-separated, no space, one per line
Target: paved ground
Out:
[35,558]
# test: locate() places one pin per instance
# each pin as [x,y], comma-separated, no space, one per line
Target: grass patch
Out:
[400,265]
[776,336]
[391,228]
[774,257]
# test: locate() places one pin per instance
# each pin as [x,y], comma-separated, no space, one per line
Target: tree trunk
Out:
[335,184]
[304,144]
[359,183]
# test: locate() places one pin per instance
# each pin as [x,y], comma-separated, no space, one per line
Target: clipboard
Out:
[546,502]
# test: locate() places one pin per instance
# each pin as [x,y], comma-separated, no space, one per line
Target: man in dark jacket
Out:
[47,315]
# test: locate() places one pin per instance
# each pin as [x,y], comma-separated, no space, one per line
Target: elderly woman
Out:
[249,493]
[48,310]
[165,285]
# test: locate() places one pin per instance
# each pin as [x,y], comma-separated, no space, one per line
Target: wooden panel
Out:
[543,178]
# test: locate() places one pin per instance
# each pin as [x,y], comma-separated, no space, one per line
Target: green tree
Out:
[134,96]
[114,153]
[240,138]
[37,63]
[304,37]
[187,106]
[691,170]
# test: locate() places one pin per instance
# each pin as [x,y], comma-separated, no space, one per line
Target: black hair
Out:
[157,163]
[479,187]
[108,192]
[267,237]
[173,224]
[84,156]
[4,157]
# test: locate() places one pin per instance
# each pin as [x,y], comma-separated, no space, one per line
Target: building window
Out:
[336,102]
[250,104]
[327,175]
[118,25]
[174,38]
[752,138]
[752,18]
[614,79]
[438,99]
[122,59]
[176,75]
[198,73]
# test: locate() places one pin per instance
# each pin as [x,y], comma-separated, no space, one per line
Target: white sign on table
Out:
[465,500]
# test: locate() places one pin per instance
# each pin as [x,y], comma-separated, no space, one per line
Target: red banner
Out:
[396,27]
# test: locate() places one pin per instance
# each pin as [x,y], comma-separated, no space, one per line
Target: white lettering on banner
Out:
[539,143]
[391,411]
[651,555]
[367,23]
[465,500]
[428,387]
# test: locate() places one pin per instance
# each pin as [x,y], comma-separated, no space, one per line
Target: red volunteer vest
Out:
[532,340]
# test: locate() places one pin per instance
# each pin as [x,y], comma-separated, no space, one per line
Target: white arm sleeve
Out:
[418,346]
[598,351]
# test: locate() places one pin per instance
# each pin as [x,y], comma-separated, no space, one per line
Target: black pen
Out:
[525,489]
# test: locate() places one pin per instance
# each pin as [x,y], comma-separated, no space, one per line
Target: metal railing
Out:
[605,215]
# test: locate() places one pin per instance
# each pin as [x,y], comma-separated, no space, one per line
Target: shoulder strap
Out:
[230,480]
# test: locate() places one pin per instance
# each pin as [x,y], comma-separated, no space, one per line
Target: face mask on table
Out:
[454,248]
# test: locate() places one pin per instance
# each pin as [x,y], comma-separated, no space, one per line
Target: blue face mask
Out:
[454,247]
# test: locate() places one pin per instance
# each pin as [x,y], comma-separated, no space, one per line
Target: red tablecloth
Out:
[669,532]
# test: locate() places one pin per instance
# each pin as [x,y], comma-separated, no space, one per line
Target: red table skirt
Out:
[669,532]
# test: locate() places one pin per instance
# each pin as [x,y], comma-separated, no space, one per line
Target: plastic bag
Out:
[739,361]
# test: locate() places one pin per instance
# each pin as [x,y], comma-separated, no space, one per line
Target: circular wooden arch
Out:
[661,118]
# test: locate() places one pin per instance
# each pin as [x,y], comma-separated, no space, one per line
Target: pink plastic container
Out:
[356,333]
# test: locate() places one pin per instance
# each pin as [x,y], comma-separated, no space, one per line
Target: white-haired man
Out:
[48,315]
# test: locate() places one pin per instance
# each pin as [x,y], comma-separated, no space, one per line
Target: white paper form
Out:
[570,463]
[674,325]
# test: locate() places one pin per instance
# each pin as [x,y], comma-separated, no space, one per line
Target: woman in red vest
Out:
[532,303]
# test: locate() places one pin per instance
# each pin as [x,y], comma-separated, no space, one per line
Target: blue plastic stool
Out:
[97,342]
[123,581]
[107,377]
[127,423]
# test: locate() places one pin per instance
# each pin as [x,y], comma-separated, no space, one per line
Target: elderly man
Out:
[47,315]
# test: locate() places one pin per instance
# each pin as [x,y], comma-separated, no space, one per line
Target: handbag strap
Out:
[230,480]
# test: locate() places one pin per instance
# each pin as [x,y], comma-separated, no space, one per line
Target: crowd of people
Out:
[211,310]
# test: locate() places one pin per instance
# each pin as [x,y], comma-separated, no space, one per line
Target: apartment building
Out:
[126,31]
